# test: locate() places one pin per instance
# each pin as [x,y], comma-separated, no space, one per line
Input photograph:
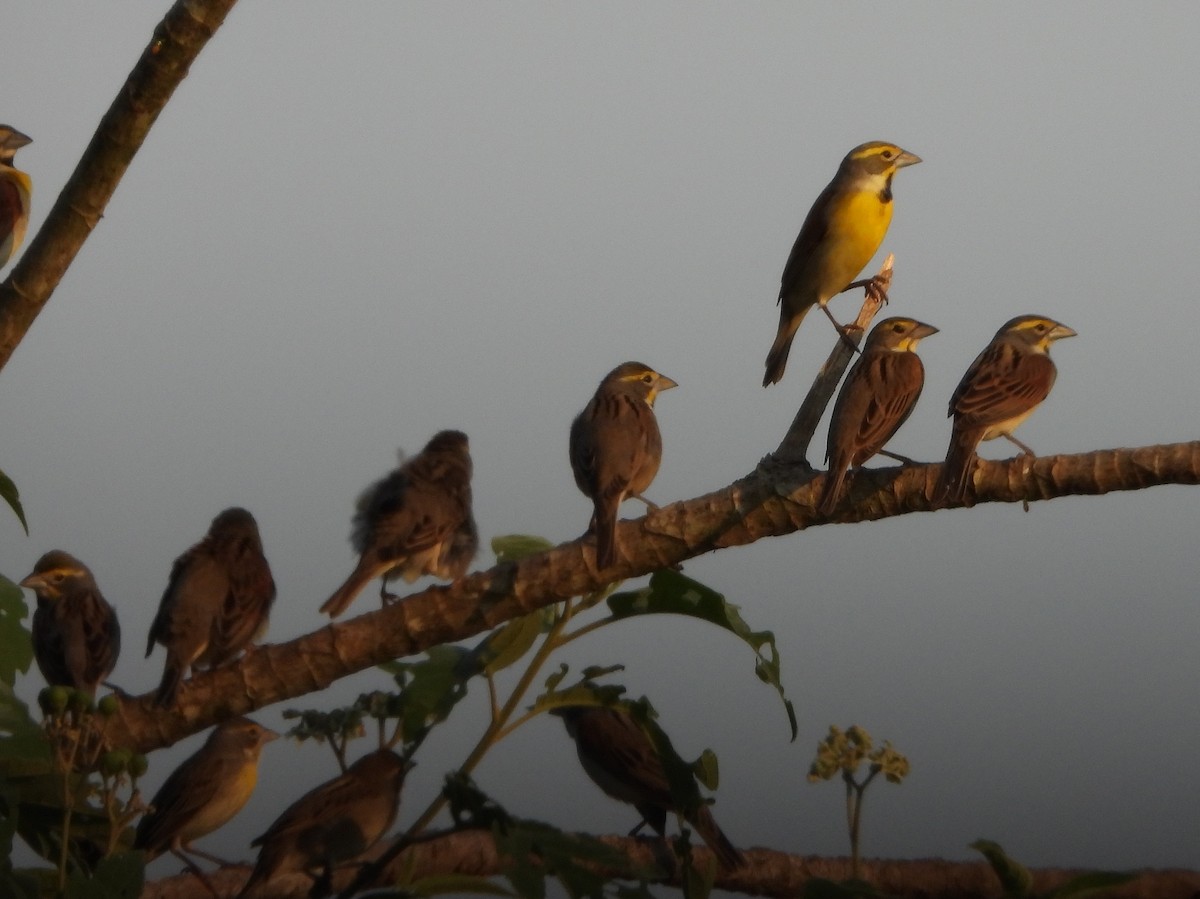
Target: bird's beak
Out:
[664,383]
[33,582]
[922,330]
[906,158]
[1059,331]
[269,735]
[15,140]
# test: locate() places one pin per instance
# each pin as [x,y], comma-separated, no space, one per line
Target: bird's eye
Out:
[898,328]
[57,577]
[647,378]
[888,154]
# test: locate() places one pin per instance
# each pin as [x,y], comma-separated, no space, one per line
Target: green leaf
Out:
[1015,878]
[507,644]
[8,492]
[670,592]
[119,876]
[16,645]
[706,770]
[1095,882]
[514,547]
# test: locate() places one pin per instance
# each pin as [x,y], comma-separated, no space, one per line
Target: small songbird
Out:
[216,603]
[620,758]
[842,231]
[15,189]
[415,521]
[204,792]
[616,448]
[1005,383]
[876,399]
[76,636]
[334,823]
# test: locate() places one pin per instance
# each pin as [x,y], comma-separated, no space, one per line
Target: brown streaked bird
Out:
[336,822]
[1002,388]
[217,601]
[76,635]
[415,521]
[876,399]
[620,758]
[205,792]
[842,231]
[15,190]
[616,448]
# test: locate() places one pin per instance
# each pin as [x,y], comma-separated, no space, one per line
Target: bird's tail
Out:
[362,575]
[707,827]
[778,356]
[956,472]
[833,489]
[604,523]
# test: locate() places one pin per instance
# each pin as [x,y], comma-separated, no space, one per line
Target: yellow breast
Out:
[857,224]
[227,800]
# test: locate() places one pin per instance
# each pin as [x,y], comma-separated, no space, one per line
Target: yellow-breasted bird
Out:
[15,188]
[205,791]
[876,399]
[336,822]
[616,447]
[415,521]
[76,635]
[216,603]
[620,758]
[1005,383]
[841,233]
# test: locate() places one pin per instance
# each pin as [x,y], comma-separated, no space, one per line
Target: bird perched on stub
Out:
[842,231]
[217,601]
[616,447]
[415,521]
[876,399]
[1002,388]
[76,635]
[15,189]
[620,758]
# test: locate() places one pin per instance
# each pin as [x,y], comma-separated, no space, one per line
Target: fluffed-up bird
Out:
[15,189]
[620,758]
[1002,388]
[415,521]
[876,399]
[616,448]
[842,231]
[217,600]
[76,635]
[205,792]
[336,822]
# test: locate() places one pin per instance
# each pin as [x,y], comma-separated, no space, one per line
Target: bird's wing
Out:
[1002,384]
[895,381]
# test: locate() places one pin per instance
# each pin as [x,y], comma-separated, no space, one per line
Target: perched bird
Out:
[839,236]
[336,822]
[205,791]
[15,188]
[76,636]
[876,399]
[216,602]
[619,757]
[415,521]
[1005,383]
[616,447]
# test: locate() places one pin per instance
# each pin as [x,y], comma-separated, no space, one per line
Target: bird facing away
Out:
[415,521]
[1005,383]
[876,399]
[336,822]
[616,448]
[76,635]
[15,189]
[842,231]
[216,603]
[620,758]
[205,791]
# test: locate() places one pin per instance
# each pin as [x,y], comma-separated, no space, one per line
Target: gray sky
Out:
[356,224]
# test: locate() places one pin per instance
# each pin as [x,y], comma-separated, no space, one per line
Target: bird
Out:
[216,603]
[1002,388]
[417,520]
[616,447]
[620,758]
[335,822]
[15,189]
[840,234]
[76,635]
[205,792]
[876,399]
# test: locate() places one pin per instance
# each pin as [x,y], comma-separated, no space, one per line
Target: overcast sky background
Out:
[357,224]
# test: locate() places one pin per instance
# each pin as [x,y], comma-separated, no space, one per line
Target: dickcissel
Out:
[205,791]
[841,233]
[620,758]
[216,602]
[1005,383]
[415,521]
[616,447]
[876,399]
[334,823]
[76,636]
[15,188]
